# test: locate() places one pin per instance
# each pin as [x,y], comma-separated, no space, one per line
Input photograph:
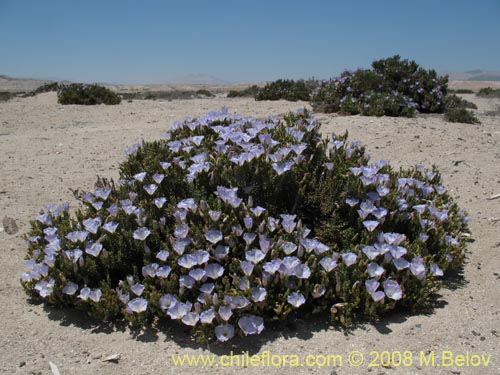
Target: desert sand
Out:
[48,149]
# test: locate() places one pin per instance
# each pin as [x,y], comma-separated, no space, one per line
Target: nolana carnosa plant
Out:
[231,223]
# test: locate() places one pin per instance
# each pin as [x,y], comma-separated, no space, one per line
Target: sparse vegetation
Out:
[286,89]
[84,94]
[461,114]
[6,95]
[249,92]
[488,92]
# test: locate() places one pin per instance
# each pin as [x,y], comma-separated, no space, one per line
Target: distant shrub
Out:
[488,92]
[83,94]
[393,87]
[205,92]
[461,114]
[6,95]
[284,89]
[232,223]
[48,87]
[453,101]
[166,95]
[460,91]
[249,92]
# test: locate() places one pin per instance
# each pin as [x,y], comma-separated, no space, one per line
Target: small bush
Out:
[204,92]
[6,96]
[488,92]
[249,92]
[232,223]
[461,114]
[393,87]
[83,94]
[454,101]
[460,91]
[284,89]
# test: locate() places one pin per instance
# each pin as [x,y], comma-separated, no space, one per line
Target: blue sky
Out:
[152,41]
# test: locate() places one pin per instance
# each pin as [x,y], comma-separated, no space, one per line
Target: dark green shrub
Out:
[249,92]
[232,222]
[460,91]
[393,87]
[6,96]
[453,101]
[488,92]
[461,114]
[205,92]
[83,94]
[284,89]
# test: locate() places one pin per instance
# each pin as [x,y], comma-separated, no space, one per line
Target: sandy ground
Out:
[46,149]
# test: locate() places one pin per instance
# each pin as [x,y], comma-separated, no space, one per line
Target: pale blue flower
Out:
[179,246]
[352,201]
[84,293]
[248,221]
[139,176]
[141,233]
[191,318]
[201,256]
[249,237]
[207,316]
[417,267]
[251,324]
[95,295]
[214,270]
[44,219]
[272,266]
[393,290]
[110,226]
[150,270]
[247,267]
[435,270]
[181,231]
[163,271]
[214,215]
[400,263]
[213,236]
[371,285]
[162,255]
[394,238]
[225,312]
[78,235]
[186,281]
[328,263]
[371,252]
[45,288]
[207,288]
[283,166]
[197,274]
[370,225]
[113,210]
[165,165]
[137,289]
[258,294]
[288,247]
[187,204]
[94,249]
[397,251]
[349,258]
[257,211]
[187,261]
[74,255]
[221,251]
[296,299]
[255,256]
[302,271]
[375,270]
[150,188]
[158,177]
[137,305]
[103,193]
[224,332]
[70,288]
[159,202]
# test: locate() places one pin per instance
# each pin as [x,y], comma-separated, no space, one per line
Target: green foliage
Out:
[488,92]
[453,101]
[6,96]
[261,219]
[393,87]
[460,91]
[249,92]
[461,114]
[204,92]
[83,94]
[166,95]
[284,89]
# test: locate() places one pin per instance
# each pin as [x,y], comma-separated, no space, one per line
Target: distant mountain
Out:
[20,84]
[474,75]
[198,79]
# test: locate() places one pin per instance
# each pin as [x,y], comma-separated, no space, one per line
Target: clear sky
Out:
[152,41]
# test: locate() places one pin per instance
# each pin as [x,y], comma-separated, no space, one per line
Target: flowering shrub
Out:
[80,93]
[284,89]
[393,87]
[230,223]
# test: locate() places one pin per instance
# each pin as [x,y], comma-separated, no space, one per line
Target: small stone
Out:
[10,226]
[22,363]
